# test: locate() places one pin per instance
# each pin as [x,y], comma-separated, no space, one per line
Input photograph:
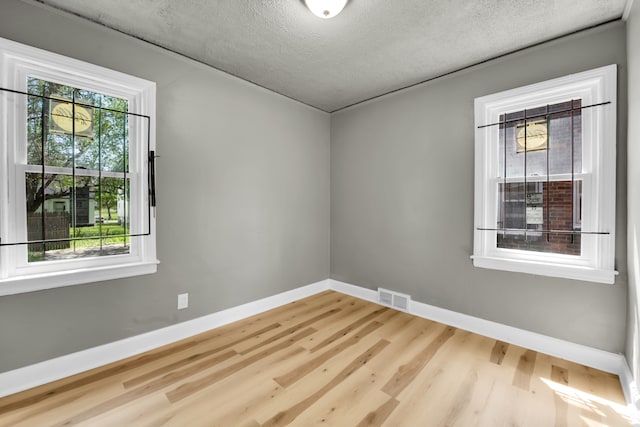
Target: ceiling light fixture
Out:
[326,8]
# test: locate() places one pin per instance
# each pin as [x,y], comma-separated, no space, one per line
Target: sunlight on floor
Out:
[594,410]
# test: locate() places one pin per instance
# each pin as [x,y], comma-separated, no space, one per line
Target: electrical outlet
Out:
[183,301]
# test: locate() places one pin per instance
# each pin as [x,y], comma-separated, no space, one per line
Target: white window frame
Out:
[17,62]
[596,262]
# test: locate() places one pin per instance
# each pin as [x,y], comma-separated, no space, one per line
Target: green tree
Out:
[107,197]
[105,148]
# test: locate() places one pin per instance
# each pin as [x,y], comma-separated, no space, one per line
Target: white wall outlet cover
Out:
[183,301]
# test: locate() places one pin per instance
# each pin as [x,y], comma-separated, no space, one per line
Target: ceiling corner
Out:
[627,10]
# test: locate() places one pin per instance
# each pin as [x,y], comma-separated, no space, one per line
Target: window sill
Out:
[546,269]
[37,282]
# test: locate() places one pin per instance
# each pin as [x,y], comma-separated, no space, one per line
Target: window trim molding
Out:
[72,277]
[16,62]
[596,264]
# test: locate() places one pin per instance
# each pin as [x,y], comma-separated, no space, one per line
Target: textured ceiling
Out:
[371,48]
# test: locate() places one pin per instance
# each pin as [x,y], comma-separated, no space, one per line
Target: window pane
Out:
[561,140]
[34,129]
[548,141]
[537,144]
[114,141]
[58,148]
[45,88]
[512,154]
[87,98]
[87,153]
[521,210]
[112,103]
[96,214]
[100,213]
[114,202]
[96,139]
[79,130]
[48,215]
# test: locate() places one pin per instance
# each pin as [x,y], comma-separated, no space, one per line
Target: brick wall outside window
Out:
[559,217]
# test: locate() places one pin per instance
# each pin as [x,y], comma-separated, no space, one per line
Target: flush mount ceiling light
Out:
[326,8]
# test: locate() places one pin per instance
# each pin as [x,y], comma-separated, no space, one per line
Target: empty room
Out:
[319,212]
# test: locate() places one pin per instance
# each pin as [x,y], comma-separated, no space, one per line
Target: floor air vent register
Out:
[394,299]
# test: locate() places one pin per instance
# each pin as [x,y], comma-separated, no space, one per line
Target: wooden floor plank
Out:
[291,330]
[334,360]
[191,358]
[379,415]
[184,390]
[499,350]
[522,376]
[287,415]
[406,373]
[349,328]
[238,398]
[142,391]
[58,407]
[361,390]
[302,370]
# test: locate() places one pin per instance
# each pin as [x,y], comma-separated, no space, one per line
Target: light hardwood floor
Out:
[329,360]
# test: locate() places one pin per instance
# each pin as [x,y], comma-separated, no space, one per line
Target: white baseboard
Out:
[631,391]
[588,356]
[61,367]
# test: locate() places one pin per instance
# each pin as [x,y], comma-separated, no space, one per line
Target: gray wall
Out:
[243,194]
[244,198]
[402,198]
[633,179]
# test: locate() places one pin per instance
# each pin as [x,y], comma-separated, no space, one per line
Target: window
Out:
[545,178]
[76,200]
